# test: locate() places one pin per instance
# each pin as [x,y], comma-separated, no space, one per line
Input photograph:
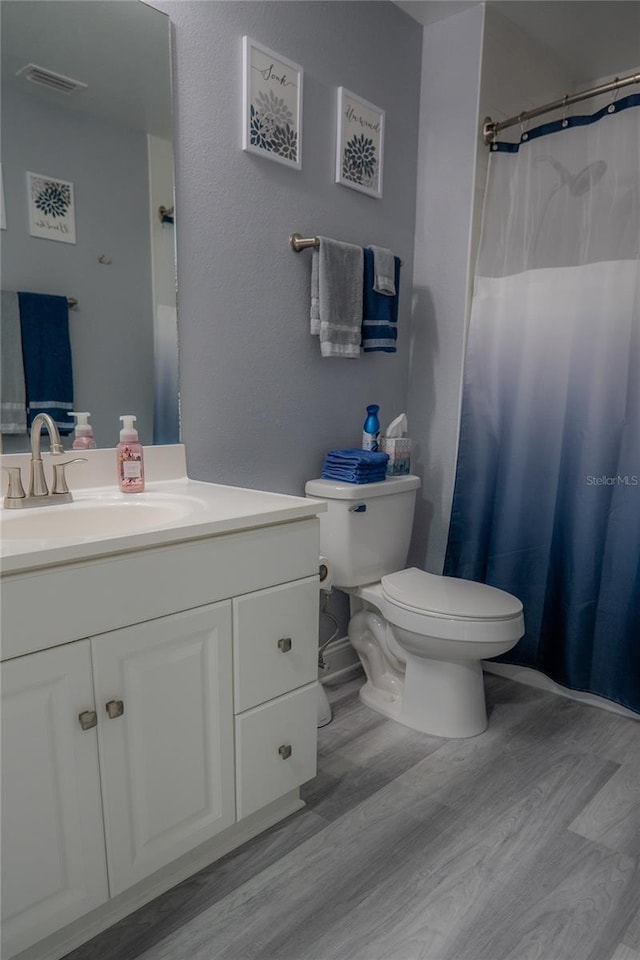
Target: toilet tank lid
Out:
[334,490]
[449,596]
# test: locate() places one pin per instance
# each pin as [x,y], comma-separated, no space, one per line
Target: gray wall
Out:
[451,58]
[112,329]
[260,407]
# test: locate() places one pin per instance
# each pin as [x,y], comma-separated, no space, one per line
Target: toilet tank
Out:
[366,530]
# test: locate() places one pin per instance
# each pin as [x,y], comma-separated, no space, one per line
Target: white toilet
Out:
[421,638]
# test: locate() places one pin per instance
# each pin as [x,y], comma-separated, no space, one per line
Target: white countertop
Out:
[206,510]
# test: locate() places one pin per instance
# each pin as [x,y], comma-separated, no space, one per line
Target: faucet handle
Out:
[59,478]
[15,490]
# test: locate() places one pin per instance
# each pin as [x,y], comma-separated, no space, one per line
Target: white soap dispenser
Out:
[84,439]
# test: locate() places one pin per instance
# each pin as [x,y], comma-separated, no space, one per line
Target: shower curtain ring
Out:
[612,100]
[524,129]
[565,122]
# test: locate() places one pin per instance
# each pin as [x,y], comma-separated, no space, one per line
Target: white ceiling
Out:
[591,38]
[120,50]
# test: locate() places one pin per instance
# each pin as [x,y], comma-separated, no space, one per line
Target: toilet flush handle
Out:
[360,508]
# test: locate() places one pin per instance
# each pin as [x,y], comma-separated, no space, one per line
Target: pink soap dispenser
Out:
[129,455]
[84,439]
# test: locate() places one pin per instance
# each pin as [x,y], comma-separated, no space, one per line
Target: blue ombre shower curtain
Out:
[547,494]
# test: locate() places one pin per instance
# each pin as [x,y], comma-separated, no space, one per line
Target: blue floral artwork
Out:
[51,208]
[359,162]
[273,105]
[360,143]
[53,198]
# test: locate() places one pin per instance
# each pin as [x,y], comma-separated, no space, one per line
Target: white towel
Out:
[13,410]
[336,297]
[383,271]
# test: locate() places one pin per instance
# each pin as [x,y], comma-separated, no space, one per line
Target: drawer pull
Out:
[88,719]
[115,708]
[284,644]
[285,751]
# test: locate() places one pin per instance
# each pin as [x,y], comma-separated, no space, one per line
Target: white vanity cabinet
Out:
[129,746]
[53,862]
[276,706]
[165,738]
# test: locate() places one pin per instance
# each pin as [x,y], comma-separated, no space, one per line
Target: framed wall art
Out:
[359,144]
[272,105]
[52,213]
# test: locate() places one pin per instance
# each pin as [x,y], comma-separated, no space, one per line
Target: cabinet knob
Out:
[115,708]
[88,719]
[285,751]
[284,644]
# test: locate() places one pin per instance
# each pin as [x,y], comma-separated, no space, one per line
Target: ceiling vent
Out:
[47,78]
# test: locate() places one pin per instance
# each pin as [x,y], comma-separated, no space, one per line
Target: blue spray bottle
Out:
[371,429]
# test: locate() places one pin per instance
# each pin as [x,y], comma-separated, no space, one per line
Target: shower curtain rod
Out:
[491,128]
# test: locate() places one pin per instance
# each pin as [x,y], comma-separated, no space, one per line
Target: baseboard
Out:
[533,678]
[340,658]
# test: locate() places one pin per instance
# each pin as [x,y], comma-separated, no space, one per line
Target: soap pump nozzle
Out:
[128,431]
[83,431]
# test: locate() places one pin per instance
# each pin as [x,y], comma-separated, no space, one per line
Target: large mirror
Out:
[86,101]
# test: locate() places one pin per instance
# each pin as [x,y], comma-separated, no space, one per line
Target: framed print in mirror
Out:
[272,105]
[52,213]
[360,144]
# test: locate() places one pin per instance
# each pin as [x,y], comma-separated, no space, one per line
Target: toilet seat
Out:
[448,608]
[449,597]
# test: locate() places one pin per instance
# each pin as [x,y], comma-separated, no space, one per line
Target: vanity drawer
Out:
[275,748]
[275,641]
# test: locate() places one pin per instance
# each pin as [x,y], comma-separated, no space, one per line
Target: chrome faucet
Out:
[38,494]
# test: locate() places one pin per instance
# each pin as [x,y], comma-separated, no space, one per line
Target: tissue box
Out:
[399,450]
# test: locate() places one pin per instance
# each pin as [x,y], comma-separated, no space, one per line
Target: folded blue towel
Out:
[346,476]
[353,465]
[357,456]
[46,348]
[380,312]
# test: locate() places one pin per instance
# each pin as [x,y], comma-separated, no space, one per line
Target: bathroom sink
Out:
[93,518]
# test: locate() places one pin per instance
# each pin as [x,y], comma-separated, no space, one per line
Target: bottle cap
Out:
[128,431]
[83,427]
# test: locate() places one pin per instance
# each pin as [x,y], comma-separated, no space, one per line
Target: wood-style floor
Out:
[520,844]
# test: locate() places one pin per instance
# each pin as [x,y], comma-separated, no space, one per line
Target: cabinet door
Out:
[53,861]
[165,734]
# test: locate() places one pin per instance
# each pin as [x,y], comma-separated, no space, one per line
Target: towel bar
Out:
[297,242]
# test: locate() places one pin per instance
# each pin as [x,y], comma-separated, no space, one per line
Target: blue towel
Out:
[380,312]
[357,456]
[346,476]
[46,349]
[353,465]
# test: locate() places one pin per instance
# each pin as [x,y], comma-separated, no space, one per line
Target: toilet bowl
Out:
[432,634]
[421,638]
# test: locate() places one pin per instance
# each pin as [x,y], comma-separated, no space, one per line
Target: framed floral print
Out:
[51,208]
[360,144]
[272,105]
